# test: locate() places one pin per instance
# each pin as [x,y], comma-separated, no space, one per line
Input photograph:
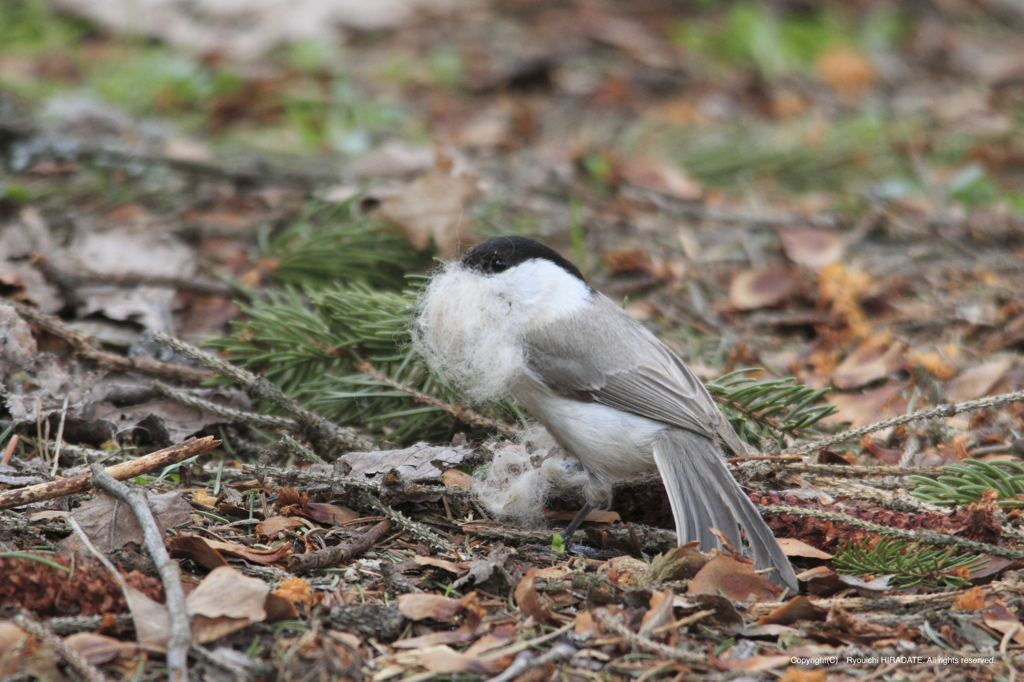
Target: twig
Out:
[368,494]
[130,469]
[938,600]
[336,483]
[180,629]
[88,347]
[319,430]
[511,649]
[24,620]
[60,437]
[256,419]
[646,643]
[464,414]
[417,530]
[928,537]
[67,625]
[332,556]
[525,661]
[947,410]
[295,447]
[652,540]
[887,498]
[11,445]
[854,470]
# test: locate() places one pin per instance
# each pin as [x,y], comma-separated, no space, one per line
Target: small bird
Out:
[512,316]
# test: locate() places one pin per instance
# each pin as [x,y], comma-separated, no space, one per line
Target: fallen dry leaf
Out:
[196,549]
[811,248]
[274,525]
[298,503]
[659,613]
[226,601]
[662,177]
[453,478]
[977,382]
[529,601]
[449,566]
[100,649]
[865,408]
[761,288]
[417,606]
[796,609]
[1001,619]
[96,516]
[733,579]
[432,209]
[874,359]
[470,629]
[794,547]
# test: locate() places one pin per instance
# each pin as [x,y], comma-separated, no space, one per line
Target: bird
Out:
[512,317]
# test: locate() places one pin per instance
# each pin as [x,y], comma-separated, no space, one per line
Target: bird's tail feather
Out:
[704,494]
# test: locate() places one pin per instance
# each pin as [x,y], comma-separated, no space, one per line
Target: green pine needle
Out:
[909,564]
[768,408]
[966,482]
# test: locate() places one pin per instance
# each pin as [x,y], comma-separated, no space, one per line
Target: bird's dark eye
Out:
[499,265]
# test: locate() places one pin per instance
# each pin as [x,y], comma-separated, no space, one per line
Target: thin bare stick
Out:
[60,437]
[319,430]
[646,643]
[76,661]
[88,347]
[464,414]
[947,410]
[256,419]
[923,535]
[333,556]
[130,469]
[180,629]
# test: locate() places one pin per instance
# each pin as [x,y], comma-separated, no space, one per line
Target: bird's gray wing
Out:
[622,365]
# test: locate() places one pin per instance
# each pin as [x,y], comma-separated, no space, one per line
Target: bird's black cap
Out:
[501,253]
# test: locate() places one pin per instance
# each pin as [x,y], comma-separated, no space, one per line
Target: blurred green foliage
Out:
[778,42]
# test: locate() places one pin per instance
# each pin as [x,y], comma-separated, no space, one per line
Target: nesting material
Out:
[472,344]
[524,475]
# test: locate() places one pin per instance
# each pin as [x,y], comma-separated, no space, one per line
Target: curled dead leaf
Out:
[733,579]
[872,360]
[812,248]
[529,601]
[761,287]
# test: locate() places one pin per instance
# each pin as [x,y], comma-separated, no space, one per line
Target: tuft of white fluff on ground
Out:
[464,336]
[525,475]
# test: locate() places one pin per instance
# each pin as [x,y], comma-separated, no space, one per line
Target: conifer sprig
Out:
[967,482]
[768,408]
[909,564]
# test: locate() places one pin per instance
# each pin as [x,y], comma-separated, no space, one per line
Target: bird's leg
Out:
[584,513]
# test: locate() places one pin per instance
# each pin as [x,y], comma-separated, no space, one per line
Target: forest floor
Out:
[828,194]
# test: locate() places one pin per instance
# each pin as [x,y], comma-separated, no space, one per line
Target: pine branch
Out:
[768,408]
[967,482]
[909,564]
[330,243]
